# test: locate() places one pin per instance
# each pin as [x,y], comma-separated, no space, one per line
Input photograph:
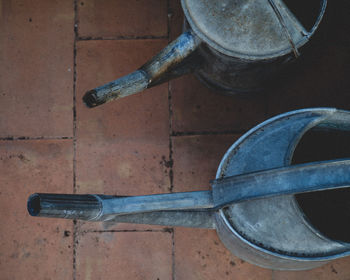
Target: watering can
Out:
[251,204]
[233,46]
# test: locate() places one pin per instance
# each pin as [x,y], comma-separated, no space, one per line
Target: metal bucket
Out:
[234,46]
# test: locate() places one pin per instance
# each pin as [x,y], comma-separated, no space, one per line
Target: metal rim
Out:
[221,215]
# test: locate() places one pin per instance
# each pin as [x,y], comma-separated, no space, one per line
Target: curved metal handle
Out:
[148,75]
[274,182]
[294,179]
[104,207]
[323,6]
[308,34]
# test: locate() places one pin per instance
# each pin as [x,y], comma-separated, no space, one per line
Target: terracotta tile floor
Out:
[169,138]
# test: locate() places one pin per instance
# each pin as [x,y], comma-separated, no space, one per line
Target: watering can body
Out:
[275,232]
[234,46]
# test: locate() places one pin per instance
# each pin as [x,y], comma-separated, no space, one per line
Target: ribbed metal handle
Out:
[68,206]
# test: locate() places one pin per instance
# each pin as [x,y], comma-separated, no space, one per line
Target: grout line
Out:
[169,13]
[173,254]
[171,160]
[170,108]
[75,245]
[75,94]
[199,133]
[75,227]
[13,138]
[89,38]
[169,230]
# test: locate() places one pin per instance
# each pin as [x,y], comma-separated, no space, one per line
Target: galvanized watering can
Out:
[231,45]
[252,202]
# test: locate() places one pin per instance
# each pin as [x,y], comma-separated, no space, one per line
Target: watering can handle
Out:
[148,75]
[274,182]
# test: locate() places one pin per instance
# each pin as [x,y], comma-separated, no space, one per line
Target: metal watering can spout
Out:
[162,67]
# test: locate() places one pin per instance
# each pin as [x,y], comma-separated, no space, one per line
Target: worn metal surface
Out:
[232,75]
[246,43]
[248,29]
[184,218]
[238,46]
[68,206]
[251,204]
[148,74]
[273,232]
[229,190]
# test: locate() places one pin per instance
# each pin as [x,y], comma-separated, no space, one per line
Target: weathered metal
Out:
[251,204]
[294,179]
[274,232]
[148,75]
[231,45]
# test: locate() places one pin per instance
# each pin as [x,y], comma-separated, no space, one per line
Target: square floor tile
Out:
[199,109]
[125,255]
[30,245]
[141,116]
[133,18]
[36,75]
[196,159]
[176,19]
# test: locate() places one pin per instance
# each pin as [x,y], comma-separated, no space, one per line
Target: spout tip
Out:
[90,99]
[34,205]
